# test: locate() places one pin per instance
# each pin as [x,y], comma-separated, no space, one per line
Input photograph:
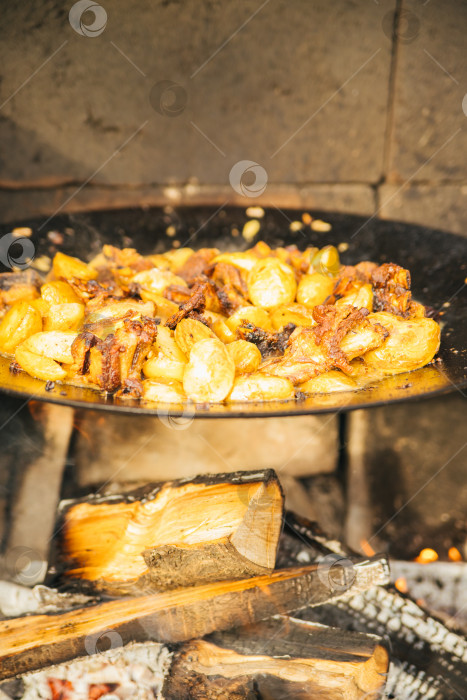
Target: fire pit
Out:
[304,615]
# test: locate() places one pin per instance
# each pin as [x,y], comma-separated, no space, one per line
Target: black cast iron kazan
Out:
[437,261]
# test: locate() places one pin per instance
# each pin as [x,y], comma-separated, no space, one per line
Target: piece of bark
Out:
[28,643]
[16,600]
[181,533]
[279,658]
[427,659]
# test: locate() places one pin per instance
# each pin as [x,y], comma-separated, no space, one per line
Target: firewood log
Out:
[279,658]
[179,533]
[427,659]
[28,643]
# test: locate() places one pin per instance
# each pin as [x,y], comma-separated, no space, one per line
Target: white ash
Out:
[135,672]
[16,600]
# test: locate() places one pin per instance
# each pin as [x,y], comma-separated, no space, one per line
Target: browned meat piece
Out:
[176,293]
[361,272]
[333,324]
[104,363]
[18,285]
[132,389]
[269,344]
[111,360]
[135,338]
[197,264]
[231,288]
[94,293]
[196,302]
[391,285]
[80,351]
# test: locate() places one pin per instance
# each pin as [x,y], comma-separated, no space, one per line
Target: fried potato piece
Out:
[245,260]
[271,283]
[251,314]
[197,264]
[163,391]
[59,292]
[189,331]
[156,281]
[118,309]
[260,387]
[18,286]
[56,345]
[164,307]
[329,382]
[64,317]
[168,360]
[38,366]
[302,359]
[326,261]
[314,289]
[210,372]
[246,356]
[67,267]
[298,314]
[412,343]
[223,332]
[176,257]
[19,322]
[361,298]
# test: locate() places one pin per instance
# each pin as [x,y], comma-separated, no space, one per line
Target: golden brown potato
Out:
[117,309]
[210,372]
[59,292]
[261,387]
[411,344]
[361,298]
[168,361]
[243,260]
[67,267]
[314,289]
[328,382]
[156,280]
[38,366]
[64,317]
[252,314]
[164,308]
[189,331]
[19,322]
[55,345]
[298,314]
[326,261]
[177,257]
[271,283]
[245,355]
[163,391]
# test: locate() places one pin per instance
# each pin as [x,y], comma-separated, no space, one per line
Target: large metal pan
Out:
[437,261]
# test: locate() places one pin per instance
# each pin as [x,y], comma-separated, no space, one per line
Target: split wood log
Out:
[279,658]
[212,528]
[428,661]
[28,643]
